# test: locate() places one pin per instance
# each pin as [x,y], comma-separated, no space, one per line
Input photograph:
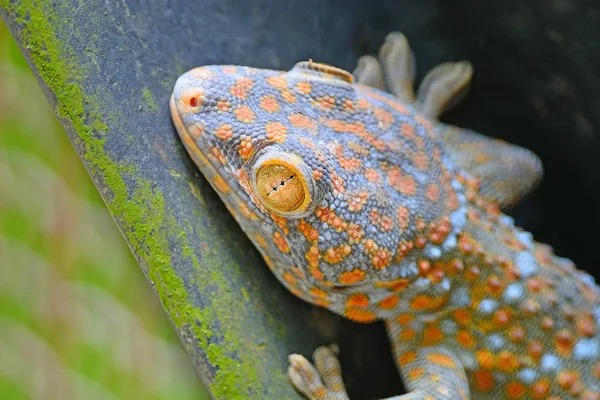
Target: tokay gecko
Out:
[361,201]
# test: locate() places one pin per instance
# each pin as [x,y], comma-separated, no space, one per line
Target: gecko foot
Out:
[321,381]
[395,68]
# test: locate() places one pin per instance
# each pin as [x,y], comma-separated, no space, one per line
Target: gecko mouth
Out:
[224,183]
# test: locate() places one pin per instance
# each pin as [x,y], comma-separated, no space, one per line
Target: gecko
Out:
[361,201]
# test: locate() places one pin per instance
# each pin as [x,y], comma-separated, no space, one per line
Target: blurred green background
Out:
[77,317]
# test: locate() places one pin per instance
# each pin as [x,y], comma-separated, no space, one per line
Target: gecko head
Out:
[326,181]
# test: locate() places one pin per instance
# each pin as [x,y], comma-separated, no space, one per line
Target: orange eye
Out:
[281,187]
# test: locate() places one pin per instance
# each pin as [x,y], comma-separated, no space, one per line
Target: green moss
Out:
[148,225]
[149,99]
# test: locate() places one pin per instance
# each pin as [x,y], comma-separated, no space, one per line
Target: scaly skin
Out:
[362,202]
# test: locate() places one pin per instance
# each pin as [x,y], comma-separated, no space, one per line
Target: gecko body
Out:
[362,202]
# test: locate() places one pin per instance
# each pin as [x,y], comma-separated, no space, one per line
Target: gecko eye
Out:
[280,183]
[280,187]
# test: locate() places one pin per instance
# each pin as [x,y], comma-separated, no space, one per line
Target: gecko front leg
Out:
[506,172]
[430,373]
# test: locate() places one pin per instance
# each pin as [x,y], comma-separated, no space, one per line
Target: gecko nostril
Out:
[193,102]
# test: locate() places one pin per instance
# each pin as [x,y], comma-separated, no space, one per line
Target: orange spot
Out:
[316,273]
[359,315]
[241,88]
[269,104]
[302,121]
[389,302]
[421,161]
[351,277]
[277,81]
[280,242]
[312,255]
[535,349]
[415,373]
[383,117]
[462,317]
[404,319]
[381,258]
[372,175]
[485,358]
[357,300]
[501,317]
[408,130]
[245,114]
[320,293]
[406,358]
[403,217]
[395,285]
[304,87]
[276,131]
[356,202]
[564,340]
[433,192]
[325,102]
[516,333]
[432,334]
[540,389]
[567,379]
[245,147]
[426,303]
[507,362]
[224,132]
[223,105]
[465,339]
[355,232]
[484,380]
[514,390]
[288,96]
[441,360]
[407,334]
[401,182]
[289,278]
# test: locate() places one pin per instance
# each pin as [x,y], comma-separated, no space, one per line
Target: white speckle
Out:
[421,283]
[460,297]
[456,185]
[506,220]
[526,238]
[449,243]
[549,362]
[588,280]
[513,293]
[458,218]
[526,263]
[527,376]
[586,349]
[448,327]
[434,252]
[487,306]
[409,270]
[597,315]
[445,284]
[495,342]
